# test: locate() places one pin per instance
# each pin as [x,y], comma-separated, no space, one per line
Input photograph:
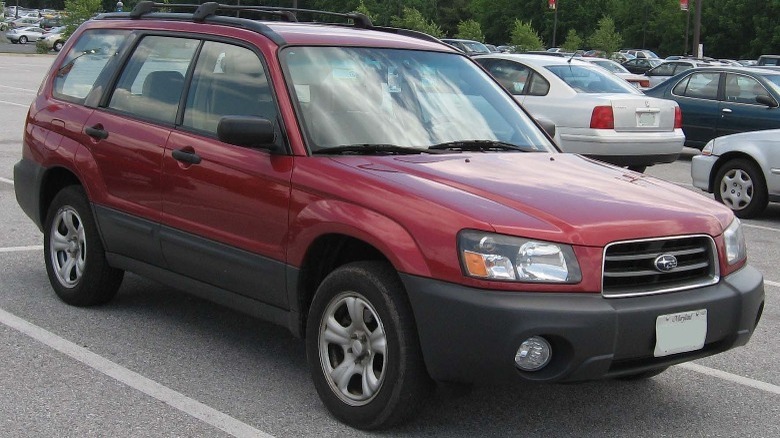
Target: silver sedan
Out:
[595,113]
[742,170]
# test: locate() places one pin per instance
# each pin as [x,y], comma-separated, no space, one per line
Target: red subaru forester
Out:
[377,193]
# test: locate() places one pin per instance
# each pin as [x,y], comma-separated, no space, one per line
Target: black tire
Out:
[58,45]
[643,375]
[393,381]
[22,39]
[75,258]
[740,185]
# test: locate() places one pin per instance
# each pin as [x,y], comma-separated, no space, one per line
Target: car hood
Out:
[559,197]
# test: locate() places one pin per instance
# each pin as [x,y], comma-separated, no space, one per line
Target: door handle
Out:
[97,132]
[186,156]
[726,110]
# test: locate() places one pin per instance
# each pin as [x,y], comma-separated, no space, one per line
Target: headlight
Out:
[498,257]
[736,251]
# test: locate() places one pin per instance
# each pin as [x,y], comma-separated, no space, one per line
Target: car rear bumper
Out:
[624,148]
[472,335]
[701,170]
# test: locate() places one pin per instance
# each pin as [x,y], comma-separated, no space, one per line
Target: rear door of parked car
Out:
[697,95]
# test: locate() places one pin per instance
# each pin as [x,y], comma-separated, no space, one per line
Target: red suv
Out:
[377,193]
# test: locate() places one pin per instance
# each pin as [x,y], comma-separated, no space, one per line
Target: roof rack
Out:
[208,9]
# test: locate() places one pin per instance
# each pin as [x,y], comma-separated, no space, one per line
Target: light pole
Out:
[687,26]
[554,5]
[697,28]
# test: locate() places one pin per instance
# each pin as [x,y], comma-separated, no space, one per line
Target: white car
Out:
[24,34]
[596,113]
[742,170]
[639,81]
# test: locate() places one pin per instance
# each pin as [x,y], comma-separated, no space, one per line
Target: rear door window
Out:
[152,82]
[85,62]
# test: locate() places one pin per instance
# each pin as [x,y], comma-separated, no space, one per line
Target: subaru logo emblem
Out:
[665,262]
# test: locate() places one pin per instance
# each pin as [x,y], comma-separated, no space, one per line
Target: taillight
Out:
[602,118]
[677,118]
[644,83]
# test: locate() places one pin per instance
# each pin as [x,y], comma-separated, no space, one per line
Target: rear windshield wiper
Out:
[481,146]
[369,149]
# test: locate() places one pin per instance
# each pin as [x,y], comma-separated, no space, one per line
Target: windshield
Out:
[367,96]
[587,79]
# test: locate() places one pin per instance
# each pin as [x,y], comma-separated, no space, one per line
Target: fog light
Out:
[534,353]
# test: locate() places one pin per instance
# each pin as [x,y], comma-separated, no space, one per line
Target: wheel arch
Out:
[54,180]
[727,157]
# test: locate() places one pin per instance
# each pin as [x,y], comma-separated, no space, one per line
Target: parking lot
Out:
[158,362]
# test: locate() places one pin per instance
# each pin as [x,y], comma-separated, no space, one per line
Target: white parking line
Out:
[771,283]
[757,384]
[19,89]
[22,248]
[134,380]
[6,180]
[25,105]
[760,227]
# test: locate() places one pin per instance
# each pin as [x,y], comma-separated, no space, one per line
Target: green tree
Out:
[470,30]
[573,41]
[412,19]
[605,37]
[79,11]
[525,38]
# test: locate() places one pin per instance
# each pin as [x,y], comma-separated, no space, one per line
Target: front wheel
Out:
[58,46]
[23,40]
[362,347]
[75,258]
[740,185]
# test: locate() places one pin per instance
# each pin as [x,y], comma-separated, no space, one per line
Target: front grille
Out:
[630,268]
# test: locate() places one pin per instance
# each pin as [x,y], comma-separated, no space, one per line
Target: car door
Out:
[129,132]
[697,96]
[739,110]
[225,207]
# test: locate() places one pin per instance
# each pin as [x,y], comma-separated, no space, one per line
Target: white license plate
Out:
[680,332]
[646,119]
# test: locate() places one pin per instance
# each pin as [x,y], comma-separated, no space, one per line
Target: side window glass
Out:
[747,89]
[538,85]
[702,86]
[85,62]
[152,83]
[664,70]
[510,75]
[228,80]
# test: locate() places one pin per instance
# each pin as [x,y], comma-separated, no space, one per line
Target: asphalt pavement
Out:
[158,362]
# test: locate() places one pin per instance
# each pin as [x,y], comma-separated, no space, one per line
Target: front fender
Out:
[338,217]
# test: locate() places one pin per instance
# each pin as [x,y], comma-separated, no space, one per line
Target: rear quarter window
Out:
[85,62]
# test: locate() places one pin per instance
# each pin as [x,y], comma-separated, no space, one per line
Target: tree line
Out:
[729,28]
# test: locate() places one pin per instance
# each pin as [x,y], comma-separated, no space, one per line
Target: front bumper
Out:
[701,171]
[472,335]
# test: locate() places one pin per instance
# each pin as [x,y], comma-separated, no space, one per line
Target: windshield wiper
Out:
[368,148]
[481,146]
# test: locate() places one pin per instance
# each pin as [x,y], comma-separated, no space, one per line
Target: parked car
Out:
[54,39]
[377,193]
[24,34]
[492,48]
[26,22]
[638,81]
[741,170]
[469,47]
[641,65]
[667,69]
[768,60]
[595,113]
[640,53]
[620,57]
[717,101]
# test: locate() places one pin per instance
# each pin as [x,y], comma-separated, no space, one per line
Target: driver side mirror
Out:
[246,131]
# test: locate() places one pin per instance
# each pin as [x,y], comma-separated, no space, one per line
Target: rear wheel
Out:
[58,46]
[740,185]
[362,347]
[75,258]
